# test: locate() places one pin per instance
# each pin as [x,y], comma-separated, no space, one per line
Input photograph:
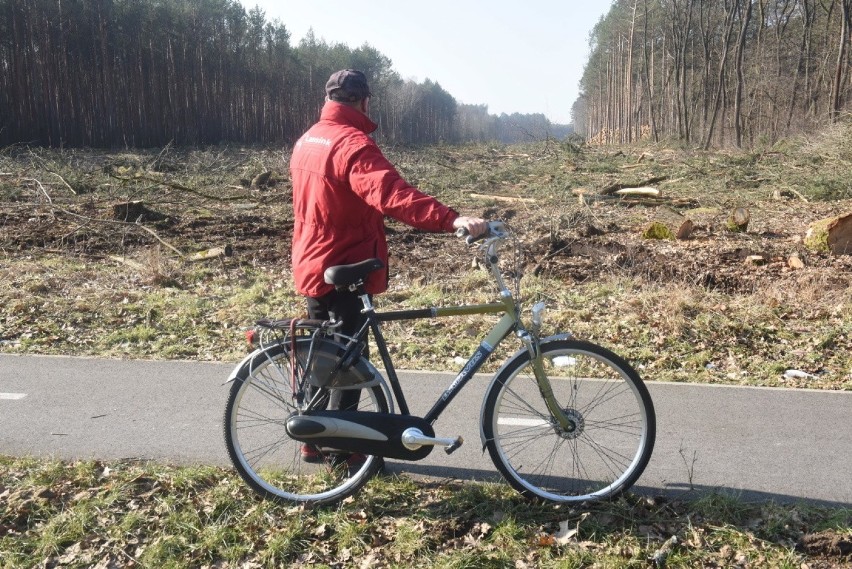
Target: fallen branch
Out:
[67,185]
[502,198]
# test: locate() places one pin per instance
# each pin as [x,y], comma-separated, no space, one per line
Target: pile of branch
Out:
[641,193]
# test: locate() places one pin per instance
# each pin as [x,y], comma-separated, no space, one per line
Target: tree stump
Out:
[738,220]
[668,224]
[132,211]
[261,180]
[831,235]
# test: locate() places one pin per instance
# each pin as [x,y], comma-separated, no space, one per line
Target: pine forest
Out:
[144,73]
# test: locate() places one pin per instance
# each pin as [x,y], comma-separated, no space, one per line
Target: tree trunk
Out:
[839,75]
[717,102]
[738,98]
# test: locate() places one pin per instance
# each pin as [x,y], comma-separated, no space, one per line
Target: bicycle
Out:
[564,420]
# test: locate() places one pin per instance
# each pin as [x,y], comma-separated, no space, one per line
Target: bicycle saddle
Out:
[345,275]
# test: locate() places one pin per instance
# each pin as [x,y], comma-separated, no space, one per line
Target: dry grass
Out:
[121,514]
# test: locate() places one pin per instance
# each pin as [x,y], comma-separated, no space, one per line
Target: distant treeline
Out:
[142,73]
[716,72]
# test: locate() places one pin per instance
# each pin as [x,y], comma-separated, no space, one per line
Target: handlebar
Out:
[496,229]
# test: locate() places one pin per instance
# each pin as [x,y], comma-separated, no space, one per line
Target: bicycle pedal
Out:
[454,447]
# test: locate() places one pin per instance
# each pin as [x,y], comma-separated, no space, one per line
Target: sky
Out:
[524,57]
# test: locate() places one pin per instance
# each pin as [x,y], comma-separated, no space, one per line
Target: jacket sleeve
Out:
[376,181]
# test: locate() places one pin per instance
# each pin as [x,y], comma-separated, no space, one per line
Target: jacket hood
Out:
[335,112]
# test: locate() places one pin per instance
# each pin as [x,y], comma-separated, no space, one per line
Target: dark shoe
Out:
[312,454]
[355,461]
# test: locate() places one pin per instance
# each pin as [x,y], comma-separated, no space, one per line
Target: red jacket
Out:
[343,186]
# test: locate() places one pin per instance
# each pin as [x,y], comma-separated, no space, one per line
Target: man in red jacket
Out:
[343,187]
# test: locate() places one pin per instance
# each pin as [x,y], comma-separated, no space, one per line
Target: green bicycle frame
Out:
[510,321]
[504,326]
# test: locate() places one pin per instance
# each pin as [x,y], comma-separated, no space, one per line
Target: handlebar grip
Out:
[468,238]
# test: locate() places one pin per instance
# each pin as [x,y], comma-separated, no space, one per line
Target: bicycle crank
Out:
[413,439]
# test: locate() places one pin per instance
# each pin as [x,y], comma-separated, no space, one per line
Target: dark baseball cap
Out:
[347,86]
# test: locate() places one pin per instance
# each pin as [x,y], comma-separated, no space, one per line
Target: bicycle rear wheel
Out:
[600,393]
[271,463]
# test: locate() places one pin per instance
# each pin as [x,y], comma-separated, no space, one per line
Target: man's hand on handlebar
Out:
[473,225]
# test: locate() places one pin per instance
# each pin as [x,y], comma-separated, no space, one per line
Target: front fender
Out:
[523,352]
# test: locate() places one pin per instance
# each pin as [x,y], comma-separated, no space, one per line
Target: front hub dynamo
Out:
[579,424]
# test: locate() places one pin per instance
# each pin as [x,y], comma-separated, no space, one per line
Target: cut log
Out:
[832,235]
[643,191]
[213,253]
[738,220]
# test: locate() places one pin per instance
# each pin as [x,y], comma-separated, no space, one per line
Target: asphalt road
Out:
[761,444]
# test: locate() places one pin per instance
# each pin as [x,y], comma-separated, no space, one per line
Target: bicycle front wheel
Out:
[270,462]
[606,402]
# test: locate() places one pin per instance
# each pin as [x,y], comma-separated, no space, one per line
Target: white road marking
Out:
[518,422]
[12,396]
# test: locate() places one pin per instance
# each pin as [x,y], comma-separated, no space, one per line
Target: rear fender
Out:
[243,369]
[246,361]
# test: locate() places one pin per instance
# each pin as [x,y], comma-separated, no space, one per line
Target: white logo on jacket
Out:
[314,140]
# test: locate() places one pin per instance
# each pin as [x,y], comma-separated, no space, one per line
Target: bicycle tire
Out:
[265,457]
[602,457]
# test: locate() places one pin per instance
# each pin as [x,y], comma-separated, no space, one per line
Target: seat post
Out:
[358,288]
[368,304]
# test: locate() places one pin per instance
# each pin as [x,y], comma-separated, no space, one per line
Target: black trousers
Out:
[346,307]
